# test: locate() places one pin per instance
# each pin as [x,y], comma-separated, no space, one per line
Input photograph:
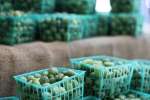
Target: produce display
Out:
[51,84]
[16,27]
[106,76]
[125,24]
[125,6]
[141,76]
[5,5]
[62,27]
[76,6]
[43,6]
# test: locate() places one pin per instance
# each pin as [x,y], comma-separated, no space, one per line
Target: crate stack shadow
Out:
[126,18]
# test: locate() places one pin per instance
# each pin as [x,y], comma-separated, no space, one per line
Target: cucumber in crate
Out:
[60,27]
[106,76]
[16,27]
[51,84]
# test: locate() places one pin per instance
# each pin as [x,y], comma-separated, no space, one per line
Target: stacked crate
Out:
[78,21]
[66,27]
[17,21]
[125,18]
[59,27]
[16,28]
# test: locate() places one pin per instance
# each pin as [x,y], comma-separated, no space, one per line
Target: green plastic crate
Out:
[60,27]
[70,88]
[104,81]
[141,76]
[126,24]
[5,5]
[76,6]
[16,29]
[42,6]
[125,6]
[9,98]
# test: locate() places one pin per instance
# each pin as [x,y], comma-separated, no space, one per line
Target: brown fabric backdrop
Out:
[27,57]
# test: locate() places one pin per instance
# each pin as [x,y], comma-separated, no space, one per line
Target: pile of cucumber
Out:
[48,77]
[122,6]
[93,67]
[114,24]
[61,27]
[16,27]
[123,24]
[57,84]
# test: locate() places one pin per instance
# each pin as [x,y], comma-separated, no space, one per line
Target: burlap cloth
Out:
[27,57]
